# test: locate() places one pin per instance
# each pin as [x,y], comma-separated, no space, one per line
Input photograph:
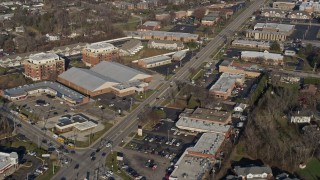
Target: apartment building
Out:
[100,51]
[154,61]
[43,66]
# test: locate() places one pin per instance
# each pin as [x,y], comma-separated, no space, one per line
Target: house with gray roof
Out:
[105,77]
[253,172]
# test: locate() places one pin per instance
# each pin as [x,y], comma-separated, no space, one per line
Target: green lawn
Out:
[94,136]
[131,25]
[143,96]
[112,164]
[49,173]
[312,171]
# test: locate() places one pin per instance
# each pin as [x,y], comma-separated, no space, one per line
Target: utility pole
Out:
[38,142]
[130,104]
[52,168]
[168,135]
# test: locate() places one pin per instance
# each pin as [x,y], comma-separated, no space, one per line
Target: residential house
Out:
[52,37]
[253,172]
[162,17]
[176,2]
[180,14]
[142,5]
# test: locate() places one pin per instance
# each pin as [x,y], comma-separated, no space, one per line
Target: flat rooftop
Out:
[255,43]
[187,123]
[209,143]
[244,66]
[162,33]
[190,168]
[100,45]
[155,59]
[225,82]
[275,26]
[23,90]
[209,115]
[43,57]
[85,125]
[5,159]
[151,23]
[265,55]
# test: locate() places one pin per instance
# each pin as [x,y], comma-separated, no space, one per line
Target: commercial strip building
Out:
[8,163]
[196,161]
[154,61]
[163,35]
[205,120]
[225,84]
[94,53]
[43,66]
[75,123]
[265,45]
[48,87]
[232,67]
[131,47]
[105,77]
[270,31]
[165,44]
[262,57]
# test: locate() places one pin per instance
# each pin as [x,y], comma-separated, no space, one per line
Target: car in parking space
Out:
[93,158]
[92,154]
[76,166]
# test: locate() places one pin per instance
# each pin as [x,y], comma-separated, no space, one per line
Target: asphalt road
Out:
[87,168]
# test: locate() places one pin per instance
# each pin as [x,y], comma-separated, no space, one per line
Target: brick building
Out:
[43,66]
[100,51]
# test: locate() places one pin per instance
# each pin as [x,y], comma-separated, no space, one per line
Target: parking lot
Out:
[184,28]
[51,107]
[171,68]
[114,102]
[304,32]
[163,144]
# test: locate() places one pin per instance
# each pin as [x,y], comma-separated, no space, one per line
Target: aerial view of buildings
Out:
[153,89]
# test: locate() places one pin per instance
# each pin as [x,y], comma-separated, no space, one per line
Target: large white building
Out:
[7,162]
[262,57]
[164,44]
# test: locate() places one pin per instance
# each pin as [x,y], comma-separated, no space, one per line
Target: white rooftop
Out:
[187,123]
[154,59]
[85,125]
[225,82]
[100,45]
[209,143]
[256,43]
[189,167]
[8,159]
[162,33]
[43,57]
[275,26]
[151,23]
[265,55]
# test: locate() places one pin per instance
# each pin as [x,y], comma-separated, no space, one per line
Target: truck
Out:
[45,155]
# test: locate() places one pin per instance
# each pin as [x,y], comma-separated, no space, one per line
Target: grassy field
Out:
[312,171]
[141,97]
[111,163]
[94,136]
[131,25]
[49,173]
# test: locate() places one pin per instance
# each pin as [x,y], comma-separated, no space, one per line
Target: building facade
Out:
[165,44]
[154,61]
[9,163]
[270,31]
[43,66]
[284,5]
[101,51]
[225,85]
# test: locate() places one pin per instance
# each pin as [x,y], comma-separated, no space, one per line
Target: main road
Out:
[87,167]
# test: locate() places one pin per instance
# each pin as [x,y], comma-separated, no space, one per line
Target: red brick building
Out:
[100,51]
[43,66]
